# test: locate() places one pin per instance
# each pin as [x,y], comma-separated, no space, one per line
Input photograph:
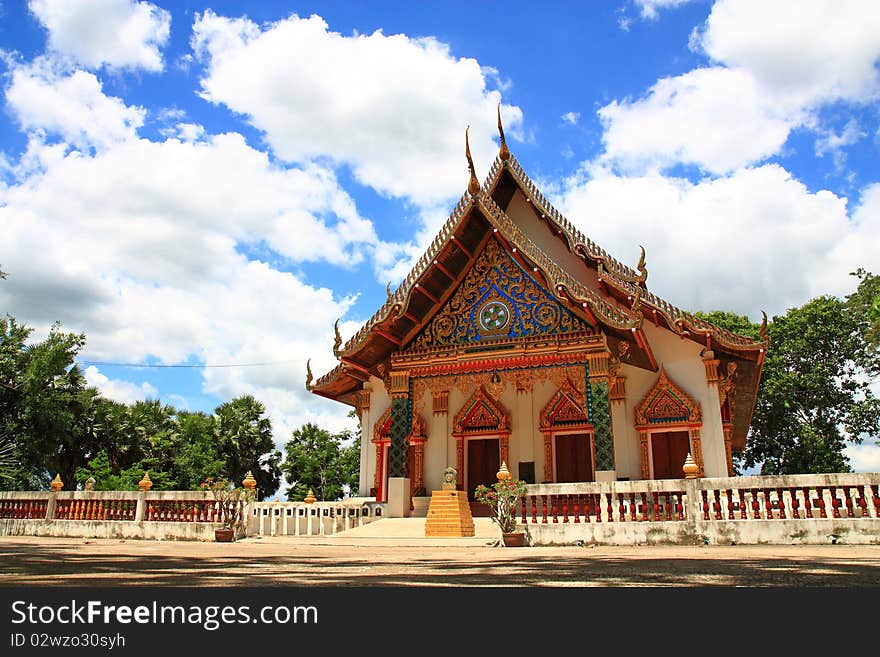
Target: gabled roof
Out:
[620,306]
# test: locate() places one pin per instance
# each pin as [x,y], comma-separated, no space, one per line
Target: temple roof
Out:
[619,305]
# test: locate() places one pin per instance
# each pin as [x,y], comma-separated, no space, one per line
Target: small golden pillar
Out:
[56,484]
[145,483]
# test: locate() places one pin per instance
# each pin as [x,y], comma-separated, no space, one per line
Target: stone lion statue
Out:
[450,478]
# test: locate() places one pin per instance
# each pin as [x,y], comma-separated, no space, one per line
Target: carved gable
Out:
[481,413]
[497,299]
[565,408]
[666,403]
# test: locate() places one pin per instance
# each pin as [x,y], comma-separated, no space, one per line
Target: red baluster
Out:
[756,507]
[768,504]
[717,495]
[621,509]
[644,508]
[534,509]
[656,496]
[863,503]
[576,500]
[835,503]
[543,509]
[668,505]
[679,507]
[780,503]
[598,507]
[632,506]
[565,509]
[524,511]
[610,508]
[847,497]
[705,505]
[820,501]
[808,508]
[729,504]
[553,508]
[795,504]
[876,500]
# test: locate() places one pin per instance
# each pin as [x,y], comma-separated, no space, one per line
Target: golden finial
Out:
[474,184]
[310,497]
[690,468]
[145,483]
[504,153]
[56,484]
[388,291]
[309,375]
[765,334]
[249,482]
[337,340]
[503,473]
[643,271]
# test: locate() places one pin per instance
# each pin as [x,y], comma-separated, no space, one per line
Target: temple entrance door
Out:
[669,450]
[574,460]
[483,463]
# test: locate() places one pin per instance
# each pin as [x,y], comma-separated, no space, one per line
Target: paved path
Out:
[370,562]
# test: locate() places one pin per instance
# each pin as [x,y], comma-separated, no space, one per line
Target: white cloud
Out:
[118,390]
[72,106]
[392,107]
[864,457]
[650,9]
[830,142]
[755,239]
[716,118]
[571,117]
[115,33]
[775,68]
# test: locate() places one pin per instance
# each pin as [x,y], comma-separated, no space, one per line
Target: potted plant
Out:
[231,503]
[503,499]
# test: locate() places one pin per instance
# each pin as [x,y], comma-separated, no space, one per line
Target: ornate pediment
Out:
[481,413]
[566,408]
[666,403]
[382,428]
[497,299]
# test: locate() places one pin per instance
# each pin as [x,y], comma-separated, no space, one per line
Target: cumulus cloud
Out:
[73,107]
[773,70]
[755,239]
[392,107]
[122,34]
[118,390]
[571,117]
[650,9]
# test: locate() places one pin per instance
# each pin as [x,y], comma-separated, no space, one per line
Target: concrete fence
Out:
[786,509]
[315,519]
[183,515]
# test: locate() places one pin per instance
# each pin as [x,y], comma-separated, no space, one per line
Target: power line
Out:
[197,366]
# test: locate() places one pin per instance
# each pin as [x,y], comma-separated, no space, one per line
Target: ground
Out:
[273,561]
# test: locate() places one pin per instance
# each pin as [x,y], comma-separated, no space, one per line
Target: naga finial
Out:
[765,334]
[337,339]
[504,153]
[388,292]
[637,300]
[474,184]
[309,375]
[643,271]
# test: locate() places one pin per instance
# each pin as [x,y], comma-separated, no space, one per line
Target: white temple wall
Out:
[379,402]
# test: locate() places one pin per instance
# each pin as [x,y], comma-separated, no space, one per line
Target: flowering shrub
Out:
[231,500]
[503,500]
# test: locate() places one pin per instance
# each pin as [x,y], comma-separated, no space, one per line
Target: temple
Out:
[517,339]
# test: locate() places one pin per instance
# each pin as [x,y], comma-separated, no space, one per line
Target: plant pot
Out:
[224,535]
[514,539]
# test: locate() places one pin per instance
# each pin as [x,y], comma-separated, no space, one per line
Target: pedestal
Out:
[398,497]
[449,514]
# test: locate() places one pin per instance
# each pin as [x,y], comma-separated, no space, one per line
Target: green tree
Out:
[198,456]
[244,438]
[864,304]
[319,460]
[814,394]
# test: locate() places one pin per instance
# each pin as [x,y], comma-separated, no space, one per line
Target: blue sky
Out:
[217,182]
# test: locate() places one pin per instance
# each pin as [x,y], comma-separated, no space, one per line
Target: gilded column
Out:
[418,484]
[643,451]
[697,452]
[504,448]
[459,460]
[728,450]
[548,458]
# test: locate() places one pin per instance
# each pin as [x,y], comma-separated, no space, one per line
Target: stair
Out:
[449,514]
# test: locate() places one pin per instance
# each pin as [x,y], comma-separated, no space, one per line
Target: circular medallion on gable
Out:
[494,316]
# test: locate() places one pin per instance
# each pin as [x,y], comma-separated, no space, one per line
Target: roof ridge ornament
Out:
[504,153]
[309,376]
[337,339]
[643,271]
[388,292]
[474,184]
[764,333]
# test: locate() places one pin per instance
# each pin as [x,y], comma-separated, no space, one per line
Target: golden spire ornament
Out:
[337,339]
[643,271]
[249,482]
[504,153]
[474,184]
[503,473]
[310,497]
[309,375]
[56,484]
[764,333]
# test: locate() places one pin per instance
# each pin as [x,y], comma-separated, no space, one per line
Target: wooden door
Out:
[483,463]
[669,450]
[574,460]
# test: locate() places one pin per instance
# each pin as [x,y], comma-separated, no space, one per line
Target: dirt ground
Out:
[31,561]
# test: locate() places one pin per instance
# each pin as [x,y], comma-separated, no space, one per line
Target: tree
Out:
[864,304]
[244,438]
[814,394]
[318,460]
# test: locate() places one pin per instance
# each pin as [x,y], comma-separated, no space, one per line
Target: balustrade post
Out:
[553,510]
[808,507]
[50,505]
[565,509]
[795,505]
[729,494]
[577,514]
[847,498]
[781,502]
[820,501]
[141,506]
[742,504]
[704,497]
[756,506]
[835,503]
[610,507]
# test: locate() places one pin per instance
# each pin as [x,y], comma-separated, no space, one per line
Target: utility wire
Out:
[198,366]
